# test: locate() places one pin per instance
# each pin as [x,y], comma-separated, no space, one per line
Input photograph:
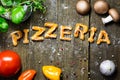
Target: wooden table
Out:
[78,59]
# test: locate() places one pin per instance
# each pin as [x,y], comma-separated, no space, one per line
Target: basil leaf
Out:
[2,10]
[2,20]
[10,2]
[16,2]
[6,2]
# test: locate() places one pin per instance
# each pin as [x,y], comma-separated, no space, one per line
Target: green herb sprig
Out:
[15,10]
[35,4]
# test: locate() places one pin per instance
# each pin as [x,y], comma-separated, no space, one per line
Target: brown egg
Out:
[83,7]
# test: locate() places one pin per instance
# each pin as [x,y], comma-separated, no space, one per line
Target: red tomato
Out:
[10,63]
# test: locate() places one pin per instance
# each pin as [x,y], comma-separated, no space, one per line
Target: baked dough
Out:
[92,34]
[37,36]
[26,31]
[16,35]
[64,31]
[49,33]
[82,29]
[103,37]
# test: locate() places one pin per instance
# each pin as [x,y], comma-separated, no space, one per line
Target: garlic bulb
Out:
[107,67]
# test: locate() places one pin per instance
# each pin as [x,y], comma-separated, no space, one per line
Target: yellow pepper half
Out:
[52,72]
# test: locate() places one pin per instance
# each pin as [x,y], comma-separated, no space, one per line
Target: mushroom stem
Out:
[107,19]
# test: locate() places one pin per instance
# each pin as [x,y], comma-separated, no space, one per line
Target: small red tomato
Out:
[10,63]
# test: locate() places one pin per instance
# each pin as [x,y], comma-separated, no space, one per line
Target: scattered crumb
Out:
[100,58]
[8,46]
[64,6]
[80,49]
[57,63]
[80,60]
[88,73]
[96,63]
[58,54]
[85,59]
[82,71]
[72,63]
[113,56]
[89,78]
[61,49]
[51,61]
[39,62]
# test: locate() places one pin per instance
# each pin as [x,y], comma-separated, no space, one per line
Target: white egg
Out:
[107,67]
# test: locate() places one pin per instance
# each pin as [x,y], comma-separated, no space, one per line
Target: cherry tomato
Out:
[10,63]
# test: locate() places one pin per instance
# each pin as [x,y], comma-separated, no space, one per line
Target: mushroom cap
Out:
[83,7]
[101,7]
[114,14]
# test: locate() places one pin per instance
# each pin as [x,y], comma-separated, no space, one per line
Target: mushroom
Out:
[113,16]
[83,7]
[101,7]
[107,67]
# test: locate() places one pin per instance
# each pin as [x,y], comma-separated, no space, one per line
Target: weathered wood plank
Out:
[79,57]
[66,47]
[44,51]
[71,56]
[71,62]
[21,49]
[101,52]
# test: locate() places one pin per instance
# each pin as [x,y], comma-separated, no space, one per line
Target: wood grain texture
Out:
[99,53]
[79,60]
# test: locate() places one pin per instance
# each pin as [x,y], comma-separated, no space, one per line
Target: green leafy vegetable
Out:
[2,10]
[10,2]
[3,25]
[2,20]
[16,2]
[36,4]
[6,2]
[17,14]
[16,11]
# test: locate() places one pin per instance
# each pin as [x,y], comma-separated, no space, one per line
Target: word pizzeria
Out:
[80,31]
